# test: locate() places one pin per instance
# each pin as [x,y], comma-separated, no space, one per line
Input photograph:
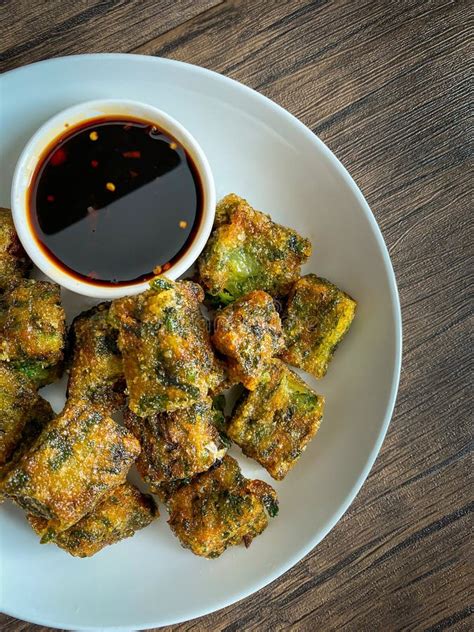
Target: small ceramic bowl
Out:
[54,129]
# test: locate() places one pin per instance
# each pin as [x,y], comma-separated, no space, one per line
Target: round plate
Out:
[261,152]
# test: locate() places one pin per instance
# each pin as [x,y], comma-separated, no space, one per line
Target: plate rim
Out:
[397,318]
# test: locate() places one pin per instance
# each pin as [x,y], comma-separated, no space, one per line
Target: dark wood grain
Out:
[386,85]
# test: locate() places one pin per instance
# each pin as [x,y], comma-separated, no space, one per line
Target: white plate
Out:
[260,151]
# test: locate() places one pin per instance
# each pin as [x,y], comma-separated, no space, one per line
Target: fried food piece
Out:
[119,515]
[249,333]
[14,262]
[32,329]
[96,372]
[220,508]
[167,355]
[78,458]
[274,423]
[176,445]
[318,315]
[247,251]
[22,413]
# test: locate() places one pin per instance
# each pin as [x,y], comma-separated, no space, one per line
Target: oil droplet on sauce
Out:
[111,207]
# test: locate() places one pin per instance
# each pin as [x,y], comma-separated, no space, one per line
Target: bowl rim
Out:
[73,116]
[306,548]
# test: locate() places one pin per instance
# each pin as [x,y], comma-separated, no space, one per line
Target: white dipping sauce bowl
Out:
[53,130]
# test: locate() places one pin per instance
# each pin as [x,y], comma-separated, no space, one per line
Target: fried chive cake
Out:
[318,316]
[32,330]
[274,423]
[96,372]
[220,508]
[248,332]
[123,512]
[176,445]
[167,355]
[78,458]
[248,251]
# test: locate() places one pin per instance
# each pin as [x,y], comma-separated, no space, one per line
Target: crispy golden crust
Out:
[96,372]
[32,329]
[14,262]
[164,491]
[318,316]
[247,251]
[220,508]
[249,333]
[39,416]
[274,423]
[22,413]
[167,355]
[78,458]
[119,515]
[176,445]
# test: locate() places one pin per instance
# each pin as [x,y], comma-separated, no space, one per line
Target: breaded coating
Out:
[165,490]
[249,333]
[40,415]
[220,508]
[167,355]
[14,262]
[176,445]
[32,329]
[22,411]
[318,315]
[274,423]
[119,515]
[78,458]
[248,251]
[96,372]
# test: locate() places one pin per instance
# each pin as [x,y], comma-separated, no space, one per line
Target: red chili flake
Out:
[93,275]
[166,266]
[134,174]
[50,198]
[132,154]
[94,163]
[58,157]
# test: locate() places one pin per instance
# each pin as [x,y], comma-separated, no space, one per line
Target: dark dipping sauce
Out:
[115,201]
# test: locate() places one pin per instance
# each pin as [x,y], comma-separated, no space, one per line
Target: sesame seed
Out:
[173,146]
[110,186]
[94,135]
[183,224]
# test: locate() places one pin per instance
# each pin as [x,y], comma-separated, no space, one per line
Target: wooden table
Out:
[385,84]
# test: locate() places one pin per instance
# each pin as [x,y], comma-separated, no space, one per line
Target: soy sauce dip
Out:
[115,201]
